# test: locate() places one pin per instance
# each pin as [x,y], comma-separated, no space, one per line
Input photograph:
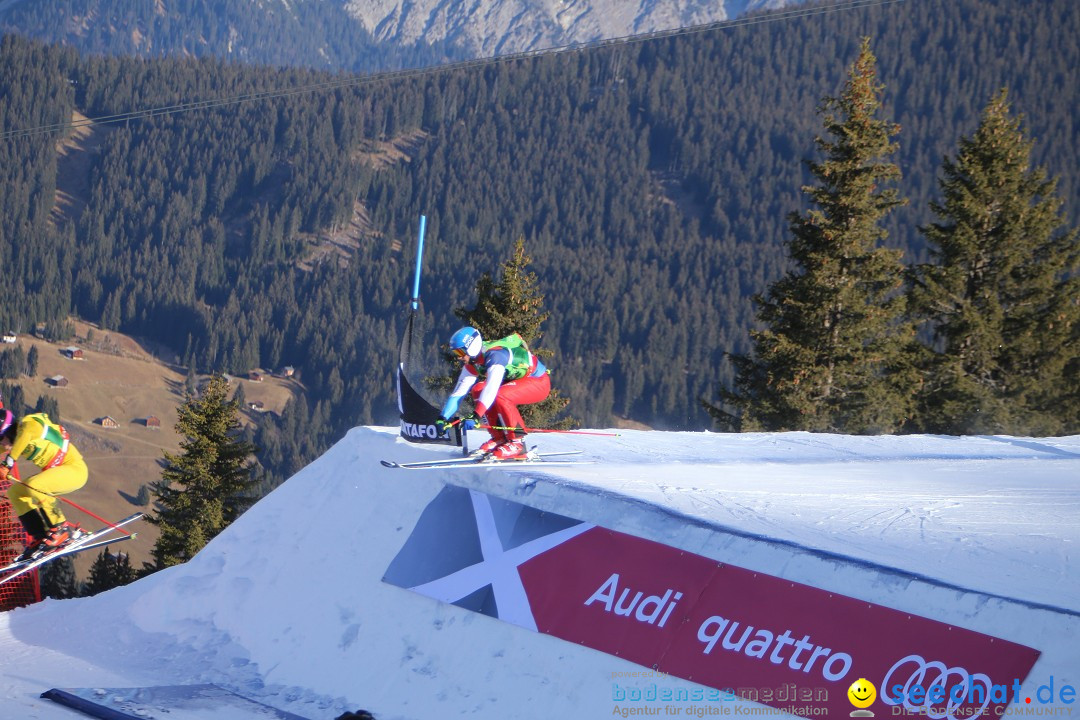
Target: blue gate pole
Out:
[419,257]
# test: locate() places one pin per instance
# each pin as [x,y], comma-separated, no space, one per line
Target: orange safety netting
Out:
[23,590]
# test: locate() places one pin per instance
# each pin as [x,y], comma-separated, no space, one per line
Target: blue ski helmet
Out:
[466,342]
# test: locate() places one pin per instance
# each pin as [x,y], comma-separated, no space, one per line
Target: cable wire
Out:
[386,76]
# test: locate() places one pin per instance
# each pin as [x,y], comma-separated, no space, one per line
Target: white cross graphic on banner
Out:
[498,568]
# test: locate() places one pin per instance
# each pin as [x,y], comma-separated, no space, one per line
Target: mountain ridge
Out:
[509,26]
[349,34]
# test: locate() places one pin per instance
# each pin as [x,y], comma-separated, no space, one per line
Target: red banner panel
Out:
[719,625]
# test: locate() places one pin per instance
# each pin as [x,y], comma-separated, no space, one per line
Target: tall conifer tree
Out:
[514,304]
[205,487]
[833,355]
[1003,292]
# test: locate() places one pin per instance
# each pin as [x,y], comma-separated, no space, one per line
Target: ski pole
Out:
[539,430]
[72,504]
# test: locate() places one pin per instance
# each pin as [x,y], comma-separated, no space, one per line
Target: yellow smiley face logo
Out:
[862,693]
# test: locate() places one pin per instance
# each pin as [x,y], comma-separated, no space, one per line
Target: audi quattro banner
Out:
[713,623]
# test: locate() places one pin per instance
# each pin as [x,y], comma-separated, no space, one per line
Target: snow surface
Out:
[287,606]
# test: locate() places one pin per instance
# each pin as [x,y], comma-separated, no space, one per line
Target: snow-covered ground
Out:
[288,605]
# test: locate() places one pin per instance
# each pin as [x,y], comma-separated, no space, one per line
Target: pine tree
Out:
[14,398]
[109,571]
[32,360]
[58,579]
[12,363]
[239,397]
[833,355]
[142,498]
[204,488]
[48,405]
[1003,293]
[514,305]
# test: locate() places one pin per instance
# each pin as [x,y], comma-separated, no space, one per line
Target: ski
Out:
[105,543]
[79,549]
[86,542]
[483,460]
[431,463]
[513,464]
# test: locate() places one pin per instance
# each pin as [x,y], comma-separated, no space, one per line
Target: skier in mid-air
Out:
[501,374]
[47,445]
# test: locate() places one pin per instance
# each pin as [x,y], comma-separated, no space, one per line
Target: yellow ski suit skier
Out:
[63,470]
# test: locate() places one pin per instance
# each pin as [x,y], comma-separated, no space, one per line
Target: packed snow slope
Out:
[288,606]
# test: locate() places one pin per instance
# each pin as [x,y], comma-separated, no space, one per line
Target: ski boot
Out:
[487,448]
[511,450]
[63,534]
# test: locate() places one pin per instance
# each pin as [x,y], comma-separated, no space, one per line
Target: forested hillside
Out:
[651,182]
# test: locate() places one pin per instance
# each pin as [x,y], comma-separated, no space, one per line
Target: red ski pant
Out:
[503,412]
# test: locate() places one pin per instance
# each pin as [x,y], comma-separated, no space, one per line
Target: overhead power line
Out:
[359,80]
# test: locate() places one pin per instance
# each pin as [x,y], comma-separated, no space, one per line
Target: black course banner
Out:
[418,416]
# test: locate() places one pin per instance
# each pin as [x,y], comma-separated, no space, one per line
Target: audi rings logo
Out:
[949,688]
